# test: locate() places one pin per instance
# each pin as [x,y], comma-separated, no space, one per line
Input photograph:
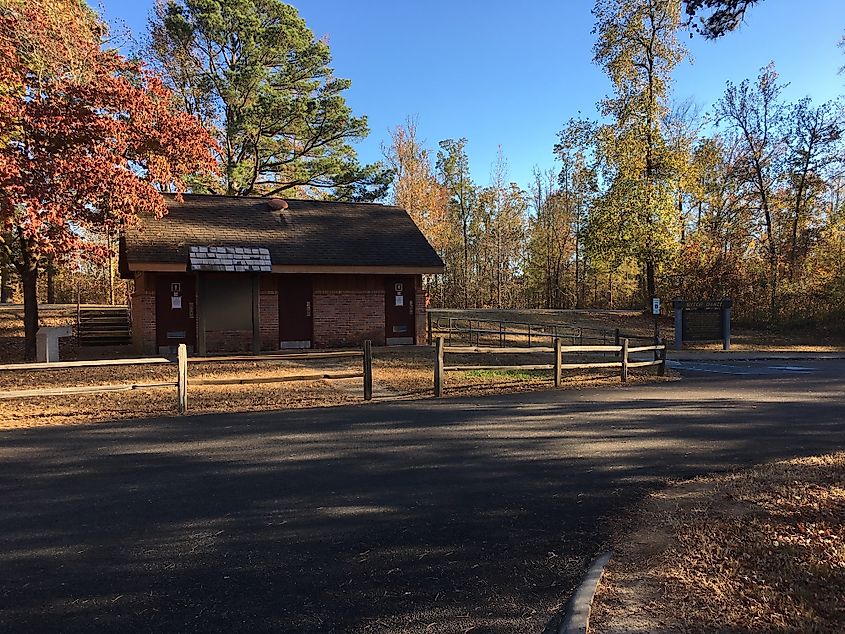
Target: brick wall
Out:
[347,317]
[268,313]
[142,306]
[346,309]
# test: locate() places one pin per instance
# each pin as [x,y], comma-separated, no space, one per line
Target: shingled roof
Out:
[307,232]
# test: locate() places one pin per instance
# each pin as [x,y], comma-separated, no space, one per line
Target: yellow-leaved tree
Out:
[636,214]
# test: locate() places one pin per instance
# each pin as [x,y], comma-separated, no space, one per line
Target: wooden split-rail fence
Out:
[623,351]
[182,382]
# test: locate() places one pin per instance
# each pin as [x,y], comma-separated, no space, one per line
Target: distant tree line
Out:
[238,97]
[656,199]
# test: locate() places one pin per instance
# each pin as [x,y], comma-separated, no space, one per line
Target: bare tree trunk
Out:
[579,272]
[773,300]
[466,265]
[793,250]
[5,286]
[110,269]
[29,279]
[650,285]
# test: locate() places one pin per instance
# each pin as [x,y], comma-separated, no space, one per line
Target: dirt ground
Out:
[761,550]
[397,373]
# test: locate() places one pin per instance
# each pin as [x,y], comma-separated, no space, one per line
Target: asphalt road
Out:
[458,515]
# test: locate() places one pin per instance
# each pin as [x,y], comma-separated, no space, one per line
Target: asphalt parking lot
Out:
[452,515]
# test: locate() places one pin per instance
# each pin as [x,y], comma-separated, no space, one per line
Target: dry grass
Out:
[637,324]
[762,550]
[397,373]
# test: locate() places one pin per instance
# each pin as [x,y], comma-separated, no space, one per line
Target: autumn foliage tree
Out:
[89,140]
[415,187]
[637,46]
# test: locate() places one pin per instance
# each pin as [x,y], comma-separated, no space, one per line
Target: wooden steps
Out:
[104,326]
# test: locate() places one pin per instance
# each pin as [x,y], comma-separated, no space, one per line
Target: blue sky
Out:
[510,74]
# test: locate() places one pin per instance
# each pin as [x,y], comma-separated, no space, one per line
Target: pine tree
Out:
[252,71]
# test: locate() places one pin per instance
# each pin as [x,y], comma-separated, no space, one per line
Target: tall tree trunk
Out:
[29,280]
[650,288]
[579,273]
[466,265]
[110,270]
[793,249]
[773,299]
[5,286]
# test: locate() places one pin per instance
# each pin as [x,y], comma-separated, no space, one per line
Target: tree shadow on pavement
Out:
[423,516]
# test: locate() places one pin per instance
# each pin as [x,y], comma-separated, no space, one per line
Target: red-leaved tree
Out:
[88,140]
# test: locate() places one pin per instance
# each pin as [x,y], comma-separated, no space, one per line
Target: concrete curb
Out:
[577,618]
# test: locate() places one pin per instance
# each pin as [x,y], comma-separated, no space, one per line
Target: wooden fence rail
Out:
[181,383]
[623,351]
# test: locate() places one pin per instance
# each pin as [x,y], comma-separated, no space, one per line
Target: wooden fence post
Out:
[182,378]
[661,369]
[368,370]
[557,361]
[438,367]
[624,375]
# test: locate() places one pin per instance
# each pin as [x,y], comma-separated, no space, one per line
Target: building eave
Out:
[171,267]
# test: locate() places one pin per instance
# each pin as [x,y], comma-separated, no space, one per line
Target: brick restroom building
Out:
[236,274]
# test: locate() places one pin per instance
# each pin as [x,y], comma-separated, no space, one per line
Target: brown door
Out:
[176,319]
[295,311]
[399,310]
